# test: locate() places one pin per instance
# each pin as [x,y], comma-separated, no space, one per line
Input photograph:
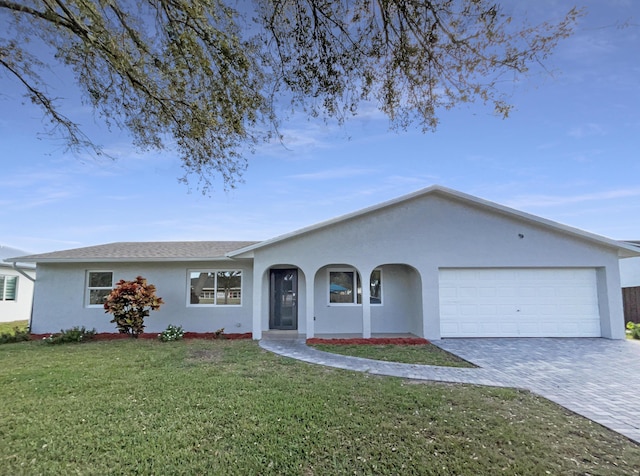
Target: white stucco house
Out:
[436,263]
[16,286]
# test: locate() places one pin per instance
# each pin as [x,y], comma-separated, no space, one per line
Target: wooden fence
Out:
[631,302]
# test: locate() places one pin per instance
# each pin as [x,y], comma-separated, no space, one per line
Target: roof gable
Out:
[624,249]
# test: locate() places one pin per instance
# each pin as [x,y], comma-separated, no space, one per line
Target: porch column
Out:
[430,303]
[257,303]
[365,279]
[310,305]
[366,308]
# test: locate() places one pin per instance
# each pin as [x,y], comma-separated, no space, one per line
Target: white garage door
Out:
[519,303]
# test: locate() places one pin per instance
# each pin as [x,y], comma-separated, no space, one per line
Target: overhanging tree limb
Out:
[211,80]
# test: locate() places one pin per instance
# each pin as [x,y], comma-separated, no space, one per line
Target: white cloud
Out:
[585,130]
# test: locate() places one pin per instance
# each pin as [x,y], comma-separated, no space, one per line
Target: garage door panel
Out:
[527,302]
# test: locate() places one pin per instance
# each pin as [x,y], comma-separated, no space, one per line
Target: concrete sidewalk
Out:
[596,378]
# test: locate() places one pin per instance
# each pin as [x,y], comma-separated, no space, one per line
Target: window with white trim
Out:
[99,286]
[8,287]
[345,286]
[215,287]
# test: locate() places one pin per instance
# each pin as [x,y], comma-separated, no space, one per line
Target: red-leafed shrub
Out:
[130,302]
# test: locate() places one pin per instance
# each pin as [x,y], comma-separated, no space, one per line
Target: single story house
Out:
[435,263]
[16,287]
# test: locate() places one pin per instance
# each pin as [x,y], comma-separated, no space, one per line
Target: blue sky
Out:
[568,152]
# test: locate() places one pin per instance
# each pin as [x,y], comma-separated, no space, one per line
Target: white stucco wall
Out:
[401,302]
[60,298]
[630,272]
[428,233]
[20,309]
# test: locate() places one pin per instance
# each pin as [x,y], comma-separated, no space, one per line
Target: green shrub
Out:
[633,329]
[171,333]
[17,335]
[75,334]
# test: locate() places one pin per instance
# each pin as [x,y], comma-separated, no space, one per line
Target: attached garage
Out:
[519,302]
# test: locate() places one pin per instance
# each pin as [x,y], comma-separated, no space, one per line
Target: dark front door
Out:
[284,299]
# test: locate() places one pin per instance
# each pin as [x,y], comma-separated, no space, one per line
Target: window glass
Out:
[98,296]
[8,285]
[100,279]
[375,285]
[222,287]
[341,287]
[228,289]
[100,285]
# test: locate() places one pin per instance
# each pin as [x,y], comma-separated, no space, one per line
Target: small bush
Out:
[17,335]
[171,333]
[633,329]
[130,302]
[75,334]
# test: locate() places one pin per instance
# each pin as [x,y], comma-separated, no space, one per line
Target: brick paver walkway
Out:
[596,378]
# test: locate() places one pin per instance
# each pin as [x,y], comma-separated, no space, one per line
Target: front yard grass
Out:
[428,354]
[9,327]
[228,407]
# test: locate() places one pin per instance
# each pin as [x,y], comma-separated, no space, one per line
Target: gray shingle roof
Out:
[142,251]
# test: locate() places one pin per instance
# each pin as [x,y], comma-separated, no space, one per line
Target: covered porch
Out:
[338,300]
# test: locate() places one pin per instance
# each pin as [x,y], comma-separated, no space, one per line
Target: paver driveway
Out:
[596,378]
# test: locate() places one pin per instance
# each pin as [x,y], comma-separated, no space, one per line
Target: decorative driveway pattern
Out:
[596,378]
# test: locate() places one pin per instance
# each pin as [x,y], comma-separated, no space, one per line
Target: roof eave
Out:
[125,260]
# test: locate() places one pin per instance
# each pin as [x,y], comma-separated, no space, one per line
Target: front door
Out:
[283,313]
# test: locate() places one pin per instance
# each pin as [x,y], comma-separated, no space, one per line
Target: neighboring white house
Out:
[630,269]
[16,287]
[435,263]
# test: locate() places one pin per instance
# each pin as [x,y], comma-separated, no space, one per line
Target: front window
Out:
[341,287]
[8,286]
[215,287]
[99,286]
[345,287]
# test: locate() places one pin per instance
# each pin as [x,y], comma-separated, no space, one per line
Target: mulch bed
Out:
[371,341]
[149,335]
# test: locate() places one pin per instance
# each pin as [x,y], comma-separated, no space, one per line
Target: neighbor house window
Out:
[8,286]
[215,287]
[99,286]
[345,287]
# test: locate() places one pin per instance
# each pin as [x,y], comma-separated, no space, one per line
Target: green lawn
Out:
[228,407]
[8,327]
[410,354]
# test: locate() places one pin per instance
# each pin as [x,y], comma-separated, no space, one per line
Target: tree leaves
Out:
[211,81]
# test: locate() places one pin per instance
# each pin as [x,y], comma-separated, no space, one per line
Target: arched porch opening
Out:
[338,300]
[396,299]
